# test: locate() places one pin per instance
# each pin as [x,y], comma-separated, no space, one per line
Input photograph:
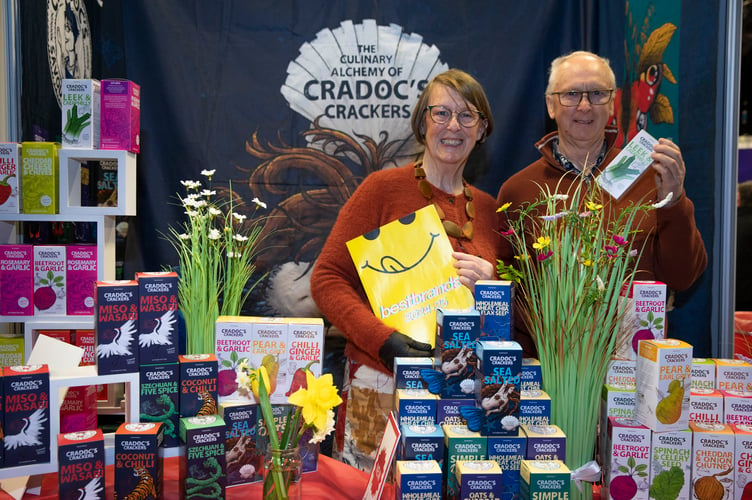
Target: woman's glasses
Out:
[442,115]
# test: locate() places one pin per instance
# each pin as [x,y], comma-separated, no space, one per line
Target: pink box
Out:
[81,275]
[10,159]
[16,280]
[737,407]
[49,280]
[121,116]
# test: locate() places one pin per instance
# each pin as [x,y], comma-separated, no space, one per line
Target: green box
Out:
[549,479]
[460,443]
[39,177]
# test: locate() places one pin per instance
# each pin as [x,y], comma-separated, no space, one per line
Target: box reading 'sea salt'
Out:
[27,414]
[244,459]
[116,326]
[10,157]
[627,459]
[742,462]
[713,458]
[733,375]
[497,389]
[202,463]
[531,377]
[705,405]
[460,443]
[80,103]
[547,479]
[454,360]
[421,442]
[80,277]
[664,370]
[198,384]
[49,280]
[545,442]
[232,344]
[39,177]
[671,461]
[478,479]
[644,316]
[16,280]
[157,317]
[80,465]
[407,372]
[418,480]
[120,116]
[703,373]
[139,460]
[160,398]
[493,300]
[508,452]
[737,407]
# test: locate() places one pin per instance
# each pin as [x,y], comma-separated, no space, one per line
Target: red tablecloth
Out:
[332,481]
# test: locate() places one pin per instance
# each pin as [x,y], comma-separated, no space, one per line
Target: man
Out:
[579,97]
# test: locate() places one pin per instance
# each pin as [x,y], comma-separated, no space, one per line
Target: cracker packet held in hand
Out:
[628,166]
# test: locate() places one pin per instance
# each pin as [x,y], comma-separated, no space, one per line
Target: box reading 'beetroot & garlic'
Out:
[49,280]
[644,316]
[80,276]
[16,280]
[627,465]
[81,465]
[116,326]
[232,346]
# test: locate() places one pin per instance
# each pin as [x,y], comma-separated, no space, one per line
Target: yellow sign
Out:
[406,269]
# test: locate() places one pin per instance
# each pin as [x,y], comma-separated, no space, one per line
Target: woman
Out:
[450,119]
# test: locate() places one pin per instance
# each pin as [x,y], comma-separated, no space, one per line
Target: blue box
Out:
[508,452]
[415,407]
[493,300]
[421,442]
[407,372]
[455,361]
[535,408]
[532,375]
[497,389]
[418,480]
[241,435]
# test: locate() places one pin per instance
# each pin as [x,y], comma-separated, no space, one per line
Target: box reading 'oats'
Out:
[479,479]
[460,443]
[202,463]
[545,442]
[116,326]
[81,465]
[198,384]
[139,460]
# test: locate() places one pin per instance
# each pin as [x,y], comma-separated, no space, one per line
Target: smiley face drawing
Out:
[406,269]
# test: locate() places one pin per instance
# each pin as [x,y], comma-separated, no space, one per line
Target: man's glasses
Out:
[443,115]
[572,98]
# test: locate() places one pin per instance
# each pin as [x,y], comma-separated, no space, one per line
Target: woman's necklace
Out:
[451,228]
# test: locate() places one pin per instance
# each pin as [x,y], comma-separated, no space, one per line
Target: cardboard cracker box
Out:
[198,384]
[50,297]
[116,326]
[16,280]
[120,115]
[139,460]
[712,457]
[26,428]
[157,317]
[159,399]
[243,457]
[80,100]
[40,170]
[80,278]
[203,457]
[81,465]
[10,172]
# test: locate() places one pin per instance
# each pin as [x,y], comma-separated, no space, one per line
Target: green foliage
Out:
[668,484]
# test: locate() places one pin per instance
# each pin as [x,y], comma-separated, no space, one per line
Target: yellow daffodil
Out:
[260,374]
[542,242]
[317,399]
[504,207]
[593,206]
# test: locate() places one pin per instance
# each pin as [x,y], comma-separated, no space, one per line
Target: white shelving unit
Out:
[70,210]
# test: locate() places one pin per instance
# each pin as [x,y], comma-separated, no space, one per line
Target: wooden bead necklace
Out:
[451,228]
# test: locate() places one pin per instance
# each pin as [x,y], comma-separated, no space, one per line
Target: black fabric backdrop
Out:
[211,73]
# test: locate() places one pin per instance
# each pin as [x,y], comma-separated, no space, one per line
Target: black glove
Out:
[400,345]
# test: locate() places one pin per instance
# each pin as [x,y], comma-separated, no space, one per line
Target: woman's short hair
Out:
[467,86]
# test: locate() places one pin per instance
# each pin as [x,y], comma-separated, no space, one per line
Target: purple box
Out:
[157,317]
[243,457]
[160,399]
[116,326]
[449,411]
[545,442]
[16,280]
[80,277]
[139,460]
[80,464]
[27,413]
[478,479]
[120,126]
[198,384]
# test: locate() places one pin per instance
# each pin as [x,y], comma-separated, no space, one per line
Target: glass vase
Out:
[283,474]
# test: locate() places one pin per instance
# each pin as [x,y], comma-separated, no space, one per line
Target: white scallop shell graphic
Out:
[362,79]
[546,464]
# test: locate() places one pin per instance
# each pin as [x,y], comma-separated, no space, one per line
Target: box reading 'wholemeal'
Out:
[493,300]
[116,326]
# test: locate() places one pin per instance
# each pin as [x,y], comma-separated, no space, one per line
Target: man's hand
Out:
[669,170]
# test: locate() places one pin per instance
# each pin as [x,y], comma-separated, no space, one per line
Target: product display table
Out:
[332,481]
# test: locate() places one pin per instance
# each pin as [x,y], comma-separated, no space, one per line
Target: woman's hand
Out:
[471,268]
